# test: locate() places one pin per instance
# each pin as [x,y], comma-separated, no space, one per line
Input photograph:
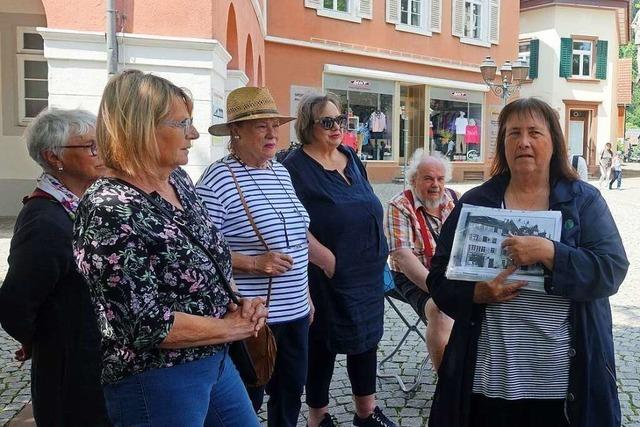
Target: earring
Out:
[236,136]
[60,168]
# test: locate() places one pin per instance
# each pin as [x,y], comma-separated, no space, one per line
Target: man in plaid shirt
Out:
[413,221]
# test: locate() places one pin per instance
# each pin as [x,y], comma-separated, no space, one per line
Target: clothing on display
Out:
[377,121]
[461,124]
[472,133]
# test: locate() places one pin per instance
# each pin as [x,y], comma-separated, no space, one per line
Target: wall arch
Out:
[232,39]
[248,62]
[259,77]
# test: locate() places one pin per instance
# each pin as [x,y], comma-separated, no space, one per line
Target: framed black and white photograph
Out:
[477,252]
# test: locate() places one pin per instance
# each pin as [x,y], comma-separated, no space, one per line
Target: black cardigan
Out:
[45,303]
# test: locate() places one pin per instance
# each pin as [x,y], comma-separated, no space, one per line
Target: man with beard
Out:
[412,224]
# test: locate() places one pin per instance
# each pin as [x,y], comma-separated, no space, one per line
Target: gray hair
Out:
[308,108]
[52,128]
[420,157]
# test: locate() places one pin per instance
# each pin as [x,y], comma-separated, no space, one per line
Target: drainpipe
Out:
[112,42]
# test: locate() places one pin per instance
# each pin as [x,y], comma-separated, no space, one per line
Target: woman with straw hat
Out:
[250,198]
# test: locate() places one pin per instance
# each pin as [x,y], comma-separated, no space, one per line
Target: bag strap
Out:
[253,225]
[185,230]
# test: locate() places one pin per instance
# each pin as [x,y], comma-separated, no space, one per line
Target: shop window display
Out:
[370,124]
[455,127]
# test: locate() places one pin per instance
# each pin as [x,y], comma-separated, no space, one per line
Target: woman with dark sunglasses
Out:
[346,284]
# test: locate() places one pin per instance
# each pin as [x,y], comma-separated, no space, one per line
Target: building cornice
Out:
[137,40]
[372,52]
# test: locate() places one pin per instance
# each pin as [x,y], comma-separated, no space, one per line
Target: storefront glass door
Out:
[412,121]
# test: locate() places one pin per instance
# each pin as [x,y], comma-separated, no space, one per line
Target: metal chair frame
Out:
[411,327]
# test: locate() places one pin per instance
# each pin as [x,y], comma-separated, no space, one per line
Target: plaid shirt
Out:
[402,228]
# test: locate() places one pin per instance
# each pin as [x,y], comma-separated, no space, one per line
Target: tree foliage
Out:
[630,50]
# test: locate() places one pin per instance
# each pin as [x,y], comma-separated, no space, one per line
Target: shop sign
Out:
[459,95]
[217,108]
[359,84]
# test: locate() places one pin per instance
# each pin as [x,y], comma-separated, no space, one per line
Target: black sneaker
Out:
[327,421]
[377,419]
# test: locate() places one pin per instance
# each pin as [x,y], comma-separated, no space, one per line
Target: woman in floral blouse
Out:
[164,315]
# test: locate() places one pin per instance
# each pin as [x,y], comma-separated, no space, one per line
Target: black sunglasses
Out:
[328,122]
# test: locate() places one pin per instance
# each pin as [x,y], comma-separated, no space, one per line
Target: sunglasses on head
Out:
[328,122]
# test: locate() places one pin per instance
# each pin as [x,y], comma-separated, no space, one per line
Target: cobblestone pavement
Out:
[412,409]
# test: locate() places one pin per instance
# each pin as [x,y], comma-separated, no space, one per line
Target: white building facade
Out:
[572,48]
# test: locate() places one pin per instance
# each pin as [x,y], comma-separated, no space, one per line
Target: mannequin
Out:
[377,126]
[461,129]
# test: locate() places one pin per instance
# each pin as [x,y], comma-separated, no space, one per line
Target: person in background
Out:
[605,162]
[521,357]
[160,289]
[280,264]
[579,164]
[616,170]
[345,279]
[413,222]
[44,301]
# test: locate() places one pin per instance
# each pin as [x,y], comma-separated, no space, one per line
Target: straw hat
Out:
[248,103]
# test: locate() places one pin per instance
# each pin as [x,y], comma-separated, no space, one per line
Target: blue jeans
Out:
[289,374]
[204,393]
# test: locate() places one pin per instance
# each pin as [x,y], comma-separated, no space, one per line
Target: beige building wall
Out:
[549,25]
[17,170]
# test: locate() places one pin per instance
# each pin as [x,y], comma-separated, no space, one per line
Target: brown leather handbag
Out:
[257,359]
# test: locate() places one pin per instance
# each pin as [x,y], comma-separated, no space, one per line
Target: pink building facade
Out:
[53,53]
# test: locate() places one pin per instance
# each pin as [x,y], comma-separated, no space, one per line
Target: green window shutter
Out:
[534,49]
[601,59]
[566,51]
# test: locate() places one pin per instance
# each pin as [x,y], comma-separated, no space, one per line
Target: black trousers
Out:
[490,412]
[289,375]
[361,369]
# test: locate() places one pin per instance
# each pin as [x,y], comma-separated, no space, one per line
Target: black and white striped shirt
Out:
[523,349]
[281,219]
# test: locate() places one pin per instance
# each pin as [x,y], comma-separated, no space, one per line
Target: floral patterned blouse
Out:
[141,269]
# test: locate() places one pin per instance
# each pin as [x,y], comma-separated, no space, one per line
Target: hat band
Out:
[254,112]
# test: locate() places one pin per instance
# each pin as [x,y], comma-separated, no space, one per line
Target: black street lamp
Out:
[512,75]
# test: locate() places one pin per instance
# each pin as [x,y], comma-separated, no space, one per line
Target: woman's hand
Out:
[23,354]
[497,290]
[249,317]
[272,264]
[527,250]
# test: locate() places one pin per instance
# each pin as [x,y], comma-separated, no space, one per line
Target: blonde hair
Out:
[132,105]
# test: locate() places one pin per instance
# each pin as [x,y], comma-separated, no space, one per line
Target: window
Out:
[524,50]
[410,12]
[336,5]
[582,58]
[33,74]
[344,10]
[473,15]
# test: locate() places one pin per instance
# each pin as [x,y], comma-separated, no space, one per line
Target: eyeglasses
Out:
[93,147]
[328,122]
[186,124]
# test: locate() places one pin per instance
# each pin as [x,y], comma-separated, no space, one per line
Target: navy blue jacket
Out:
[589,265]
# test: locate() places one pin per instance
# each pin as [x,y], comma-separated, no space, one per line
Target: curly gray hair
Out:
[52,128]
[421,157]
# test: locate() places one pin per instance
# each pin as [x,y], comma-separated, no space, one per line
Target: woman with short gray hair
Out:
[44,302]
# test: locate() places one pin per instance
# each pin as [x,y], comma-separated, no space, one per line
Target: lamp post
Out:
[511,74]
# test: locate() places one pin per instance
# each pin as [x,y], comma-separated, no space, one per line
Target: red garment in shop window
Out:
[349,139]
[472,134]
